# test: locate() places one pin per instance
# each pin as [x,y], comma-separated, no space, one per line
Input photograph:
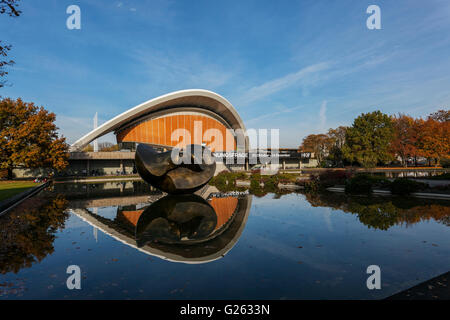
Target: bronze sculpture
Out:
[177,171]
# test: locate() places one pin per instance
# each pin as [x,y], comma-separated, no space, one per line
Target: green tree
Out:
[368,140]
[29,138]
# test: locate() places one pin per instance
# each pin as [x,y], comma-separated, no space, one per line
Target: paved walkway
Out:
[434,289]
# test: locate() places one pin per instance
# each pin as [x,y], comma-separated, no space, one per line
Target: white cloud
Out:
[270,87]
[273,114]
[323,115]
[167,71]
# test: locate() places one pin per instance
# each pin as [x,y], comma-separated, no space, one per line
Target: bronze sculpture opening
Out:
[177,171]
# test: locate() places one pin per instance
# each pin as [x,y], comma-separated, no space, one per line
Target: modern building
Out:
[207,118]
[156,121]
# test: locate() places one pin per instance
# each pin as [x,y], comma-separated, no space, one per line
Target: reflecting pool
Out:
[133,242]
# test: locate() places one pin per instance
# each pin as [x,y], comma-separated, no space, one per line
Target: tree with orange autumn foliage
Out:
[433,141]
[404,140]
[27,233]
[319,144]
[29,138]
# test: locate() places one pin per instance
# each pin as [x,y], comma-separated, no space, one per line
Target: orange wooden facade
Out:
[224,208]
[159,132]
[131,217]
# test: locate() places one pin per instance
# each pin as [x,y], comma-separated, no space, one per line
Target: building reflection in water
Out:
[196,228]
[144,219]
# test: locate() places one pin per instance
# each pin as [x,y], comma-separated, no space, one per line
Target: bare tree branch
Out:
[12,6]
[9,7]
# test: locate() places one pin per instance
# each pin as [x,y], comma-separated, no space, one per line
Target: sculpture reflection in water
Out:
[195,228]
[178,171]
[177,219]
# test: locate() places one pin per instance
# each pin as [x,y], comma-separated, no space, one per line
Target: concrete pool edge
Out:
[10,203]
[388,193]
[436,288]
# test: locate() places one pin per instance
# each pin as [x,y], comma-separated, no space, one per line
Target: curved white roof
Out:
[202,99]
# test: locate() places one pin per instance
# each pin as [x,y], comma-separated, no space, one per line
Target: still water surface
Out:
[134,243]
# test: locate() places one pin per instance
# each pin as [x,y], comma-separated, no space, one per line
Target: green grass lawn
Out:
[11,188]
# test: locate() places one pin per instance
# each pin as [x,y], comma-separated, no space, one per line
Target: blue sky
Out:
[300,66]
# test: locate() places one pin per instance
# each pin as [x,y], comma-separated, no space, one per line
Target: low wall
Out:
[10,203]
[31,173]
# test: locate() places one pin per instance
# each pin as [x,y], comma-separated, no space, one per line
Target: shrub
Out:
[232,176]
[270,183]
[445,163]
[224,181]
[287,178]
[255,183]
[255,187]
[333,177]
[359,184]
[443,176]
[220,181]
[3,173]
[404,186]
[311,185]
[379,181]
[444,189]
